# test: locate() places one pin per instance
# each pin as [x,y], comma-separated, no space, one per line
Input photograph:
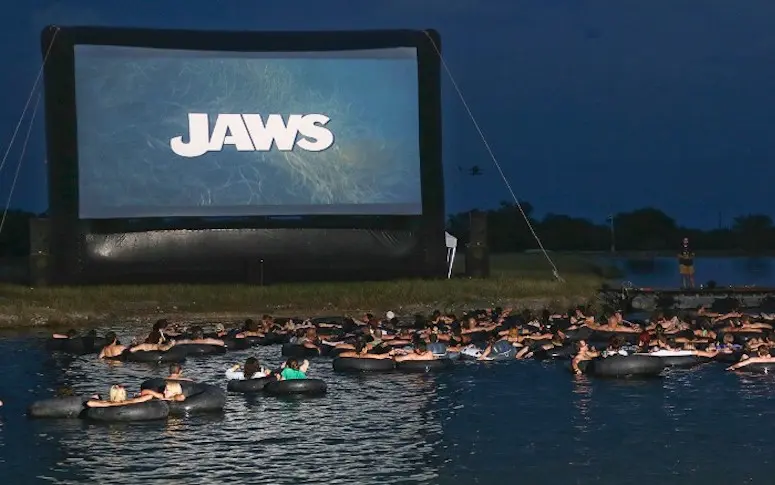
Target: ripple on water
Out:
[495,423]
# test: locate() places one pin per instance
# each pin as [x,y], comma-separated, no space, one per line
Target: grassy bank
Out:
[521,280]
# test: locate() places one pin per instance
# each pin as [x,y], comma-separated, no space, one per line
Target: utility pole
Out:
[613,233]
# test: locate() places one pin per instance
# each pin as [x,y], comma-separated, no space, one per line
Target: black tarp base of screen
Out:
[259,256]
[340,247]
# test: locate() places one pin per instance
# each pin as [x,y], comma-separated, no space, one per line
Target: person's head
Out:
[763,351]
[252,367]
[644,338]
[292,364]
[616,342]
[359,345]
[160,324]
[557,339]
[728,338]
[581,346]
[686,242]
[434,338]
[197,333]
[111,338]
[176,369]
[311,333]
[219,328]
[172,389]
[117,394]
[420,347]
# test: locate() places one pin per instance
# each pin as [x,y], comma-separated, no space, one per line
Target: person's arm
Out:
[575,365]
[108,404]
[59,335]
[745,362]
[402,358]
[102,353]
[234,374]
[152,393]
[486,354]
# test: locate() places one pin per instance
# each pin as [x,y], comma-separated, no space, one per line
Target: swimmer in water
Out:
[173,391]
[113,349]
[420,352]
[68,335]
[763,356]
[176,373]
[584,353]
[293,370]
[198,337]
[117,397]
[361,351]
[252,370]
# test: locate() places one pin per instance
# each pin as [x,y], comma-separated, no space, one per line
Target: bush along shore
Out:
[518,280]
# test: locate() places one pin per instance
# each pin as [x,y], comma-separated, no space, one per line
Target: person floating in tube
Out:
[686,265]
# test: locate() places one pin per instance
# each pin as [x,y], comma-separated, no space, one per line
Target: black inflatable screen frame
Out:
[158,248]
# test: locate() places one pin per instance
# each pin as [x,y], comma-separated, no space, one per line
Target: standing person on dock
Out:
[686,265]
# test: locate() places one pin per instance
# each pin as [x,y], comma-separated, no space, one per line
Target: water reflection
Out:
[526,421]
[662,272]
[367,429]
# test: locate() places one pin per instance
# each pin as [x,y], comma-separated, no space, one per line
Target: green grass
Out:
[520,280]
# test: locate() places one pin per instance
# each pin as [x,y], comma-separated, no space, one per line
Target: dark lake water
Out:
[662,272]
[517,422]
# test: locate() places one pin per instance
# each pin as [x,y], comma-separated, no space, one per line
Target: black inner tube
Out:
[354,364]
[193,350]
[297,387]
[248,385]
[205,398]
[424,365]
[626,366]
[144,411]
[295,350]
[58,407]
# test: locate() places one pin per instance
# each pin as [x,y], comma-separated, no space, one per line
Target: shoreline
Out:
[520,281]
[144,319]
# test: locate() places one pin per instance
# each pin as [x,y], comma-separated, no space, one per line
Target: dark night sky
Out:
[591,106]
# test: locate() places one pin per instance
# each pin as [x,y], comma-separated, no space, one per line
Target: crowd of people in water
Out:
[611,346]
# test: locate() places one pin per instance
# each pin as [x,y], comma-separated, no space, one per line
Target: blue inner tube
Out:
[299,351]
[246,386]
[58,407]
[626,366]
[354,364]
[502,350]
[144,411]
[297,387]
[424,365]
